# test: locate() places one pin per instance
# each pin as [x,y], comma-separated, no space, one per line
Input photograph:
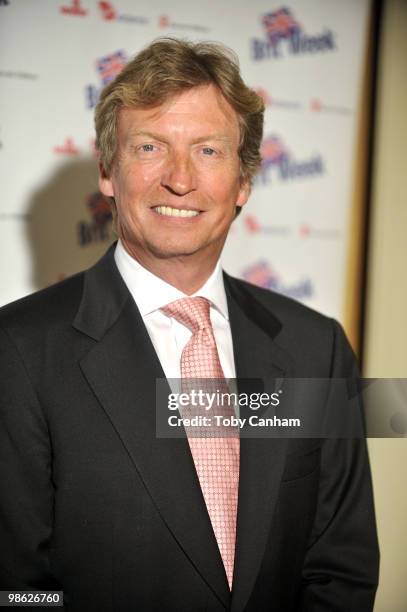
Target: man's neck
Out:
[186,273]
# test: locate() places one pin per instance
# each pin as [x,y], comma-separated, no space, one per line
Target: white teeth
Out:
[167,211]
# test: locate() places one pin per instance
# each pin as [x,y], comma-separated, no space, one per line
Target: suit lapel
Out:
[258,356]
[122,368]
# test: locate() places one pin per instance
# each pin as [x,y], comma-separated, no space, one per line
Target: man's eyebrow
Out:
[213,137]
[137,132]
[207,138]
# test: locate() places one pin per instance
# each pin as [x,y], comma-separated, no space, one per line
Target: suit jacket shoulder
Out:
[313,340]
[45,308]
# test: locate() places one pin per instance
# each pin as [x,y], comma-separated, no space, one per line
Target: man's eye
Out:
[208,151]
[147,148]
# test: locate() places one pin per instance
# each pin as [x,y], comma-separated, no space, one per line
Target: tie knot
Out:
[193,312]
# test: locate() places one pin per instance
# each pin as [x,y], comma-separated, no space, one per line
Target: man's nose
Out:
[179,175]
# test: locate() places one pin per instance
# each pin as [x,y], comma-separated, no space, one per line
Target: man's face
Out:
[176,179]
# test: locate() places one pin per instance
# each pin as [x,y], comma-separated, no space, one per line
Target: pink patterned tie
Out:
[216,458]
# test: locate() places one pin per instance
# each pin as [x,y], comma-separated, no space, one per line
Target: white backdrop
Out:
[306,59]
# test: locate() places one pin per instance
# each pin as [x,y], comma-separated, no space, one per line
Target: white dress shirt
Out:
[168,335]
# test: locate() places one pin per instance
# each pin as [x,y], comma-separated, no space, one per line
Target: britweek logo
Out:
[277,160]
[262,274]
[108,67]
[98,229]
[285,36]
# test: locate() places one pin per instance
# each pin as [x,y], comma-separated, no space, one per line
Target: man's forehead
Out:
[204,102]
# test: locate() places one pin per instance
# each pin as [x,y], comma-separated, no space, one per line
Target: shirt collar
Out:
[152,293]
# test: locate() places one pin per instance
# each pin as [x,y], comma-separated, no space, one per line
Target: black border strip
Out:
[376,33]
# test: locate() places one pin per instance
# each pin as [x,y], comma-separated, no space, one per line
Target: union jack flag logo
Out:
[99,208]
[260,274]
[110,66]
[280,24]
[272,151]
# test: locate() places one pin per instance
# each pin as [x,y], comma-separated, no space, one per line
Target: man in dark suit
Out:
[93,502]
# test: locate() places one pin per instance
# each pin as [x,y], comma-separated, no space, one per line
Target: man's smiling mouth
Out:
[168,211]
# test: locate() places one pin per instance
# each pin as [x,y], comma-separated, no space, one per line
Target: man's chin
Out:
[158,251]
[174,253]
[188,252]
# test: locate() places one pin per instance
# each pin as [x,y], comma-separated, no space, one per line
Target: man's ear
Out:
[105,183]
[244,193]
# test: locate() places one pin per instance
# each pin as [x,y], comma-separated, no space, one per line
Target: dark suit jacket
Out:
[94,504]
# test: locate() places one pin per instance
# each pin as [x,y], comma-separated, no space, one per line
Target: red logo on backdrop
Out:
[67,148]
[163,21]
[316,105]
[108,11]
[252,225]
[305,230]
[270,100]
[75,8]
[260,91]
[325,233]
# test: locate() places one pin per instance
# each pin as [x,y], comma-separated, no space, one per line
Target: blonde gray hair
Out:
[167,67]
